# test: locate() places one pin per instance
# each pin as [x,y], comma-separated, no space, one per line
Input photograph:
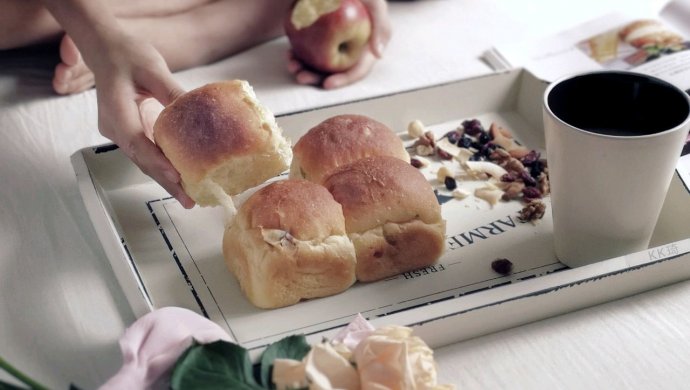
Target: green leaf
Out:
[217,365]
[7,386]
[25,379]
[291,347]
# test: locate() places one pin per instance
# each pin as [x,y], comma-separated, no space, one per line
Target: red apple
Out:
[328,35]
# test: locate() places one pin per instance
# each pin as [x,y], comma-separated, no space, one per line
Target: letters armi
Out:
[494,228]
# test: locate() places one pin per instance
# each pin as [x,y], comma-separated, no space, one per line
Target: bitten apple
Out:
[328,35]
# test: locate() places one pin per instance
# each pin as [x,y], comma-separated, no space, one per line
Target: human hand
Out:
[128,72]
[380,36]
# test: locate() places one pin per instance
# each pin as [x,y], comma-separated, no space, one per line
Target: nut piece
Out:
[444,145]
[489,193]
[512,190]
[415,129]
[460,193]
[424,150]
[442,173]
[491,169]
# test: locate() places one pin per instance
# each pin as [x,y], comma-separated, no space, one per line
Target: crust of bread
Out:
[340,140]
[391,214]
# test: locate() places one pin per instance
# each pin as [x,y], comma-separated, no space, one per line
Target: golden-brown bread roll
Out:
[341,140]
[221,140]
[392,216]
[288,242]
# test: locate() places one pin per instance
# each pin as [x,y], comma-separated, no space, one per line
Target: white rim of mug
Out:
[623,72]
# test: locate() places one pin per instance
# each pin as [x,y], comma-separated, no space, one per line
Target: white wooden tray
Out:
[164,255]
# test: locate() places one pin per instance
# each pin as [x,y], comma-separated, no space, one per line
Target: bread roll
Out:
[221,140]
[341,140]
[391,214]
[288,242]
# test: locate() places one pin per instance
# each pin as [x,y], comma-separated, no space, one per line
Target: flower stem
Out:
[20,376]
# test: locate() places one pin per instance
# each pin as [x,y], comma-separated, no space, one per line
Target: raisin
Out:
[528,179]
[484,138]
[536,168]
[509,177]
[416,163]
[502,266]
[453,136]
[450,183]
[531,158]
[531,193]
[465,141]
[487,150]
[472,127]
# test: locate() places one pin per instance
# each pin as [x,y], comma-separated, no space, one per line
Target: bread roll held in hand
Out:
[221,140]
[341,140]
[391,214]
[287,243]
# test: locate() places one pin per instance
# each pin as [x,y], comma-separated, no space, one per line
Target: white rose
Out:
[289,374]
[391,358]
[322,369]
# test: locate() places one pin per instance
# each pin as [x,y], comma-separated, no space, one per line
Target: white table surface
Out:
[62,311]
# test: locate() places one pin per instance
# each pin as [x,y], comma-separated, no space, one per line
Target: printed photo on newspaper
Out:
[658,45]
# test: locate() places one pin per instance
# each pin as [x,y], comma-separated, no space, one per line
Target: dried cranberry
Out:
[472,127]
[416,163]
[528,179]
[502,266]
[509,177]
[450,183]
[530,193]
[531,157]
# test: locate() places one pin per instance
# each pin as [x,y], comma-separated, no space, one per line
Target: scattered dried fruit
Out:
[484,155]
[450,183]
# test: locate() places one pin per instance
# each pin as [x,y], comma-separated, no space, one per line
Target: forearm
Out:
[90,23]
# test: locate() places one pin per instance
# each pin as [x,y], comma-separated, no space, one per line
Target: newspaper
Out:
[657,46]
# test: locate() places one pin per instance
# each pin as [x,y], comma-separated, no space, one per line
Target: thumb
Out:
[381,26]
